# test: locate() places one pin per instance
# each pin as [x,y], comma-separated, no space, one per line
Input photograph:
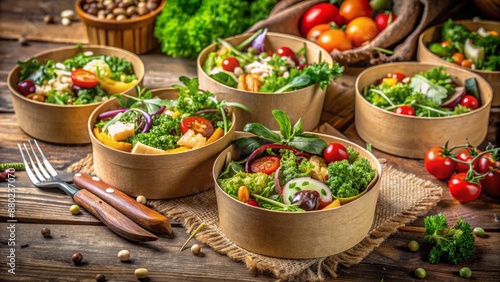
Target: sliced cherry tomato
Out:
[265,164]
[467,155]
[491,183]
[470,102]
[230,63]
[382,20]
[438,163]
[287,52]
[361,30]
[84,78]
[198,125]
[397,75]
[335,152]
[463,190]
[322,13]
[352,9]
[334,39]
[405,110]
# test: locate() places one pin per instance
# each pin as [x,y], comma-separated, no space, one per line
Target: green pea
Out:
[74,209]
[465,272]
[413,246]
[478,231]
[420,272]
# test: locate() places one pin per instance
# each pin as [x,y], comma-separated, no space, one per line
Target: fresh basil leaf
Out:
[262,131]
[231,169]
[297,128]
[284,123]
[249,144]
[312,145]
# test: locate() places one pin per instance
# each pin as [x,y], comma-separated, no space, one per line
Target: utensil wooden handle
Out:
[137,212]
[113,219]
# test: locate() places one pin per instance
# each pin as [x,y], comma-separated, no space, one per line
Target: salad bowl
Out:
[63,124]
[155,176]
[296,235]
[433,35]
[306,103]
[411,136]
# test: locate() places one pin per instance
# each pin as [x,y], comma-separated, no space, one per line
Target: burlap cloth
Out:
[402,198]
[413,16]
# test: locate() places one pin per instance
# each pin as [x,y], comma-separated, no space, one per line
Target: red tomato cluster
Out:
[345,27]
[469,173]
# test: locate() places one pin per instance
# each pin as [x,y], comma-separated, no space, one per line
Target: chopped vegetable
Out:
[349,179]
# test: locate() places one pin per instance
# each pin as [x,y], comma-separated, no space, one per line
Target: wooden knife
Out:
[137,212]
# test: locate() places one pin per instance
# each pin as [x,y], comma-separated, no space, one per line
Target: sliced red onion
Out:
[110,114]
[455,98]
[159,111]
[147,118]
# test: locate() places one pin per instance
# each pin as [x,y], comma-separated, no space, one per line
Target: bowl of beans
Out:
[126,24]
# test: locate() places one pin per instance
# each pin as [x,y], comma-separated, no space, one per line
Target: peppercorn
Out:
[100,278]
[76,258]
[46,232]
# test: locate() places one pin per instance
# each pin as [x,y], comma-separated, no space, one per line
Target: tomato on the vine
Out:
[470,102]
[463,190]
[382,20]
[467,155]
[334,39]
[491,183]
[266,164]
[335,152]
[197,124]
[230,63]
[486,163]
[84,78]
[322,13]
[361,30]
[351,9]
[438,163]
[405,110]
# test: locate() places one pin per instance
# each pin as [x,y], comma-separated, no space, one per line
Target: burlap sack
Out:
[401,36]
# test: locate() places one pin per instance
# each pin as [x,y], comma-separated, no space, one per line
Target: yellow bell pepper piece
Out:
[177,150]
[115,87]
[218,133]
[106,140]
[334,204]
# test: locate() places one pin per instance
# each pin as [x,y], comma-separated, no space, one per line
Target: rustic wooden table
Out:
[40,259]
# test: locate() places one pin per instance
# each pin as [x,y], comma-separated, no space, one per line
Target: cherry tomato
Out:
[397,75]
[198,125]
[382,20]
[470,102]
[438,165]
[351,9]
[491,183]
[322,13]
[84,78]
[463,190]
[230,63]
[361,30]
[467,155]
[335,152]
[317,30]
[334,39]
[26,87]
[253,203]
[466,63]
[486,163]
[265,164]
[287,52]
[445,43]
[405,110]
[457,57]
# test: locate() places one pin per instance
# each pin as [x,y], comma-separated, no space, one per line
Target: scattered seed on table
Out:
[465,272]
[141,199]
[74,209]
[76,258]
[100,278]
[124,255]
[420,272]
[46,232]
[413,246]
[141,273]
[478,231]
[195,249]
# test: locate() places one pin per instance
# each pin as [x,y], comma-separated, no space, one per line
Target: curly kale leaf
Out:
[348,180]
[191,99]
[164,133]
[290,168]
[453,245]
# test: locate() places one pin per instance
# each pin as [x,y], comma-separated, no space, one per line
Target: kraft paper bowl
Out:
[433,34]
[292,235]
[62,124]
[412,136]
[156,176]
[135,35]
[306,103]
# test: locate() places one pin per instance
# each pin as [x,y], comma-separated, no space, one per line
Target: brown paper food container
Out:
[433,34]
[156,176]
[134,35]
[306,103]
[292,235]
[62,124]
[411,136]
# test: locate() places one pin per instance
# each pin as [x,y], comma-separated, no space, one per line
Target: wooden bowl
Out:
[156,176]
[134,35]
[62,124]
[411,136]
[292,235]
[433,34]
[306,103]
